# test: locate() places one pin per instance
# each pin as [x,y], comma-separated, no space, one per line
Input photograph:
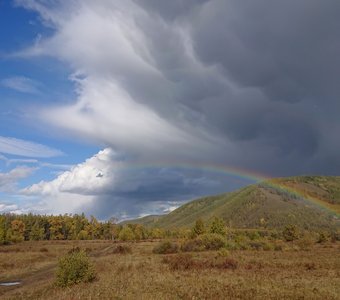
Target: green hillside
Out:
[270,204]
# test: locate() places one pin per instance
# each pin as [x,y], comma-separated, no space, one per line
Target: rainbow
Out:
[251,176]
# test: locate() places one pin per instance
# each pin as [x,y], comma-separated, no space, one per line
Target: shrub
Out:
[73,268]
[166,247]
[208,241]
[322,238]
[198,228]
[192,245]
[212,241]
[217,226]
[290,233]
[122,249]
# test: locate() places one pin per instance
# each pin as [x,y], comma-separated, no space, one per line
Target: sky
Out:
[127,108]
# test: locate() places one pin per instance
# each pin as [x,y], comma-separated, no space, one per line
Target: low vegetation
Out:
[72,257]
[122,249]
[166,247]
[185,261]
[266,205]
[73,268]
[290,273]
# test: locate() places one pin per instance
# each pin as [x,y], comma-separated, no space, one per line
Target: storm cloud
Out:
[248,84]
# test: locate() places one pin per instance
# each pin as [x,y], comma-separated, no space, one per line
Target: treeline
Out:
[30,227]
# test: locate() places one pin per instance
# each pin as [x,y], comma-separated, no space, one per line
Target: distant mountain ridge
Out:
[269,204]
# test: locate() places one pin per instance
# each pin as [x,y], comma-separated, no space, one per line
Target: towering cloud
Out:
[245,83]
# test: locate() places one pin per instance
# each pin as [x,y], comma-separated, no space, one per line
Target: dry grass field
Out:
[141,274]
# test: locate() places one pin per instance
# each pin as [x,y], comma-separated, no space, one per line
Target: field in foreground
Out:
[248,274]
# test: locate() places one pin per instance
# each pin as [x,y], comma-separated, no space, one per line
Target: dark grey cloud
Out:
[275,52]
[248,84]
[271,77]
[158,190]
[171,10]
[287,48]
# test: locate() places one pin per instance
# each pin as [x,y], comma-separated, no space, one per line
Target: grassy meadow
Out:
[290,271]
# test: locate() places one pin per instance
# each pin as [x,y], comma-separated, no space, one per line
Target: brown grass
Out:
[247,274]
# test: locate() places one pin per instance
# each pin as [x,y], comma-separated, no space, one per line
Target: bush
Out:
[73,268]
[217,226]
[192,245]
[212,241]
[199,228]
[322,238]
[208,241]
[290,233]
[166,247]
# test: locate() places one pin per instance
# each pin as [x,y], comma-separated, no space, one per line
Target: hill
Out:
[310,202]
[147,221]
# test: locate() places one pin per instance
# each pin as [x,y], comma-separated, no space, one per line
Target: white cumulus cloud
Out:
[92,177]
[8,180]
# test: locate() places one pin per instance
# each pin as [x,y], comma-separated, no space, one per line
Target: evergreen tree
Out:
[17,230]
[37,232]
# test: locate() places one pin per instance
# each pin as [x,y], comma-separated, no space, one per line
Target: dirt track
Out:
[41,277]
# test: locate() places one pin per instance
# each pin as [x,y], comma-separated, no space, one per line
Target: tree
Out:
[17,231]
[198,228]
[37,232]
[126,234]
[140,232]
[112,227]
[217,226]
[56,228]
[3,230]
